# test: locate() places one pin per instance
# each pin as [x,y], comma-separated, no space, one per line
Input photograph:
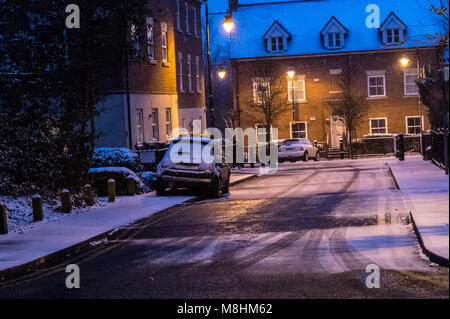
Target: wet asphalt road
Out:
[308,231]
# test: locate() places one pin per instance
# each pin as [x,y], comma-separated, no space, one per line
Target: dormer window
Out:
[276,38]
[277,44]
[393,30]
[333,34]
[393,36]
[334,40]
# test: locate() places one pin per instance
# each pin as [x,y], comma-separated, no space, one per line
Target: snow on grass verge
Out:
[20,214]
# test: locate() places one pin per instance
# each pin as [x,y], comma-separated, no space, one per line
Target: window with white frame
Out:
[297,87]
[393,36]
[134,35]
[376,85]
[393,30]
[188,31]
[378,126]
[299,130]
[168,121]
[178,15]
[261,90]
[155,124]
[334,34]
[334,40]
[150,39]
[189,72]
[164,43]
[140,126]
[261,133]
[194,12]
[411,87]
[197,74]
[413,125]
[180,71]
[276,44]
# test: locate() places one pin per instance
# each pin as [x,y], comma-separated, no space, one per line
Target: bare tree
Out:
[269,95]
[352,107]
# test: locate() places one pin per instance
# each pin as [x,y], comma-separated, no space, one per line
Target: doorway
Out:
[337,130]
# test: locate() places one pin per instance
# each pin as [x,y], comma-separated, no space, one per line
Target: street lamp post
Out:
[291,74]
[228,26]
[404,61]
[210,89]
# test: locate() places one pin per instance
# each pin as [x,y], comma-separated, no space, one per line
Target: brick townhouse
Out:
[165,85]
[319,40]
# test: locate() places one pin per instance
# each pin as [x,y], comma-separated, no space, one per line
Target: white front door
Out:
[337,131]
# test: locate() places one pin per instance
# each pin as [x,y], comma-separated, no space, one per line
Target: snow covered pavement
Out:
[46,238]
[426,190]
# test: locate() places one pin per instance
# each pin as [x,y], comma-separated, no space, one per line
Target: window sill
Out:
[411,95]
[377,98]
[299,102]
[166,64]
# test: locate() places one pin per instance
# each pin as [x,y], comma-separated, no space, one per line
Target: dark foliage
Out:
[50,83]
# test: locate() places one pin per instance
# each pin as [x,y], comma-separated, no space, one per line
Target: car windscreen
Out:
[189,151]
[294,142]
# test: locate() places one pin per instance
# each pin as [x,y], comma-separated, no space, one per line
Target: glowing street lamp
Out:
[404,62]
[291,74]
[228,24]
[222,73]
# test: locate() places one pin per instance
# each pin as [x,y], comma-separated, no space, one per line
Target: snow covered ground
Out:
[44,238]
[426,189]
[20,216]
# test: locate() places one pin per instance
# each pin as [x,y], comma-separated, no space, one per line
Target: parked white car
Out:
[297,149]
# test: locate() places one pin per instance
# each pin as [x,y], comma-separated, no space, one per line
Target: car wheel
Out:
[305,157]
[226,188]
[281,160]
[215,188]
[160,189]
[317,158]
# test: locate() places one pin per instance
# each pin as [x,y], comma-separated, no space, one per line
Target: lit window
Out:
[262,134]
[411,87]
[261,90]
[299,130]
[189,71]
[150,40]
[140,126]
[155,124]
[197,73]
[168,122]
[413,125]
[378,126]
[134,35]
[164,42]
[376,86]
[299,90]
[180,71]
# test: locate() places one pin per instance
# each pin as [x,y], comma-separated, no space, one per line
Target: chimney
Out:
[232,5]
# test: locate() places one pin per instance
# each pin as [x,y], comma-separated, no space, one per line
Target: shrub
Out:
[116,157]
[100,176]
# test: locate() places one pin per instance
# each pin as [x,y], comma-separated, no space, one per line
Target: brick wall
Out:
[316,111]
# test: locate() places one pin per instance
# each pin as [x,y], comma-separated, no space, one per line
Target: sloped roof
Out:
[273,26]
[392,16]
[333,20]
[305,20]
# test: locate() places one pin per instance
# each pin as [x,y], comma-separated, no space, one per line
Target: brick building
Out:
[164,89]
[319,50]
